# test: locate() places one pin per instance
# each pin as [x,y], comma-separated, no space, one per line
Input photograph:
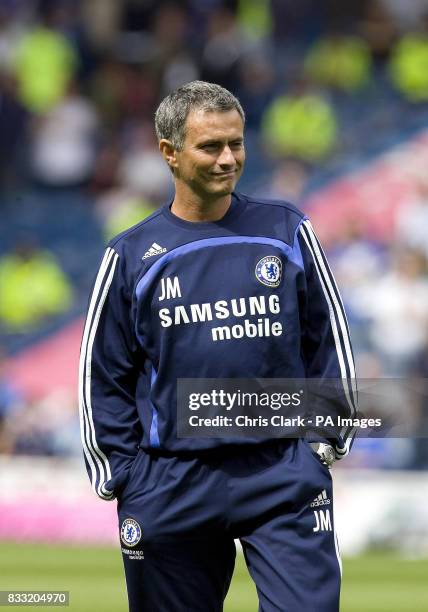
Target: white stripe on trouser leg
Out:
[336,546]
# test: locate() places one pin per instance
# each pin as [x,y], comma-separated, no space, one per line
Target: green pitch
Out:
[94,577]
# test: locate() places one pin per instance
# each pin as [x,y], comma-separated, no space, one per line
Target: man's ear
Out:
[168,152]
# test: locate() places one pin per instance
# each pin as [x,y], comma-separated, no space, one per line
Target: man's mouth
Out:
[225,174]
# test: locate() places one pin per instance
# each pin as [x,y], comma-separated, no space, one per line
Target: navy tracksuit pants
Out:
[179,516]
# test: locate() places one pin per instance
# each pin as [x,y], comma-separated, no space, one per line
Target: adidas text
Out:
[155,249]
[321,500]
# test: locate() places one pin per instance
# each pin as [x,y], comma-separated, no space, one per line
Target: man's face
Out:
[212,158]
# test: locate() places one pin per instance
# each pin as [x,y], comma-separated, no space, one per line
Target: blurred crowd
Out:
[323,83]
[80,80]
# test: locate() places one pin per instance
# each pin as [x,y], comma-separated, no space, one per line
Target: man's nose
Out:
[226,157]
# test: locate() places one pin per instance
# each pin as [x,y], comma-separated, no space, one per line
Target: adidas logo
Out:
[155,249]
[321,500]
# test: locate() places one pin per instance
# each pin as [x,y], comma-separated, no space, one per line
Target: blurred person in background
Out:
[357,279]
[138,181]
[396,306]
[412,219]
[174,57]
[170,30]
[408,62]
[33,288]
[64,141]
[44,61]
[339,61]
[13,131]
[12,27]
[288,181]
[301,123]
[120,209]
[140,169]
[44,426]
[254,18]
[108,90]
[379,29]
[255,86]
[13,114]
[224,46]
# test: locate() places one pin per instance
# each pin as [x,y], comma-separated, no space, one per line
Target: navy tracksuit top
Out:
[248,296]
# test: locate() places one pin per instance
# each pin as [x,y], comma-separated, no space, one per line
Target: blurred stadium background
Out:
[336,95]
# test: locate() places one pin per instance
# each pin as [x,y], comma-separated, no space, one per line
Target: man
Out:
[169,296]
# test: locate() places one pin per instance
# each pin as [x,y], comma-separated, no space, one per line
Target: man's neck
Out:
[190,207]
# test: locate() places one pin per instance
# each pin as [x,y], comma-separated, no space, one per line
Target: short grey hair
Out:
[172,112]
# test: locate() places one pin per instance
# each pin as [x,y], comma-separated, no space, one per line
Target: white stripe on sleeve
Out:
[338,324]
[97,460]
